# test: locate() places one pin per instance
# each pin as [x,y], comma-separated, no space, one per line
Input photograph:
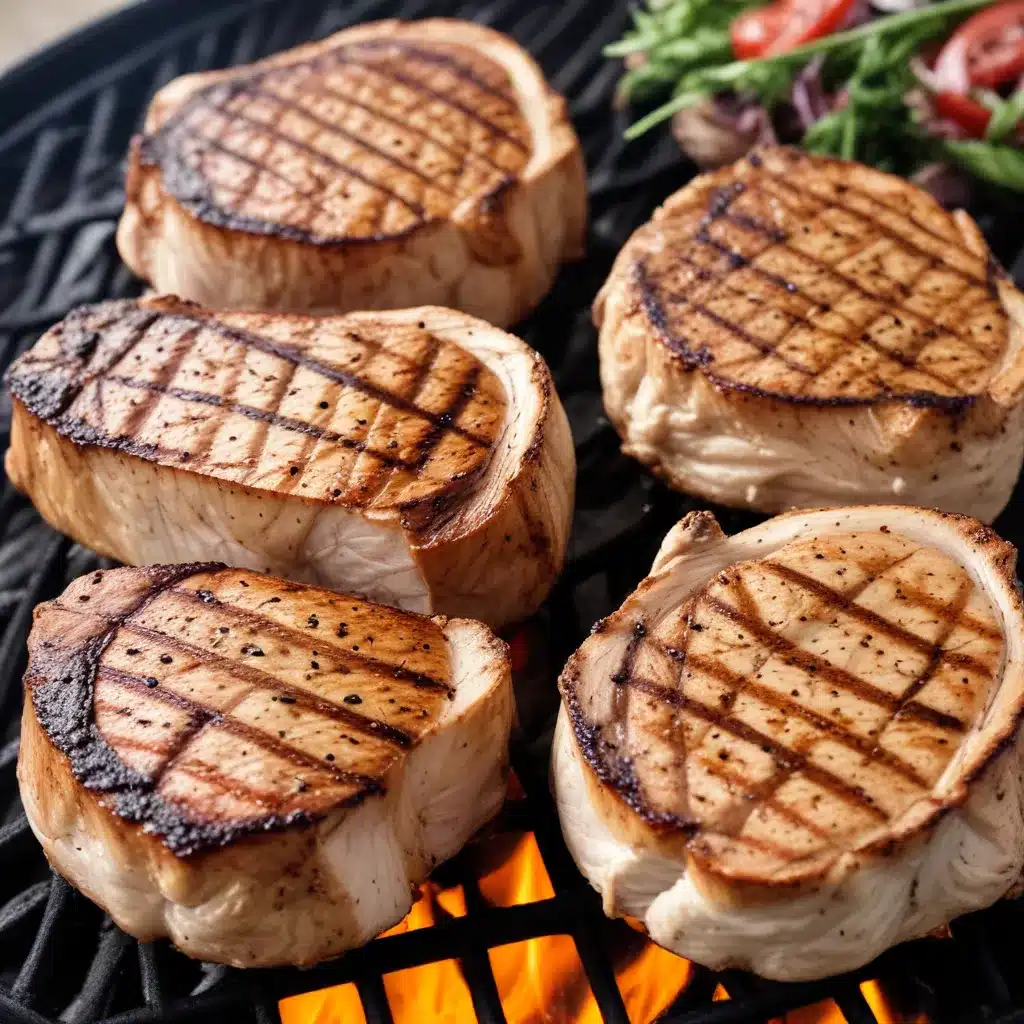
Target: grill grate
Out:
[66,118]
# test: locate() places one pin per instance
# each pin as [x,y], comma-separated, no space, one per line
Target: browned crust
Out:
[161,149]
[497,227]
[48,390]
[527,521]
[721,188]
[618,794]
[62,674]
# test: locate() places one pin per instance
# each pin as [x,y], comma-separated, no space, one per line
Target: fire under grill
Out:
[508,930]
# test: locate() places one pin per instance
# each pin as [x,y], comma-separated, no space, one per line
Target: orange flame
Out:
[883,1009]
[539,981]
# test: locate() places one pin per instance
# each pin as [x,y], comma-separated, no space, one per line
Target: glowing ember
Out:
[883,1010]
[541,980]
[825,1012]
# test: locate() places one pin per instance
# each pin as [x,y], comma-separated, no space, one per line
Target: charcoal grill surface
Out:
[65,119]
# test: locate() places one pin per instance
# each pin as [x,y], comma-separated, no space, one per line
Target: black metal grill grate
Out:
[65,119]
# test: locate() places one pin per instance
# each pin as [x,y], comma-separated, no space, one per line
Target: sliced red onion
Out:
[895,6]
[809,99]
[938,127]
[951,67]
[859,13]
[924,74]
[948,185]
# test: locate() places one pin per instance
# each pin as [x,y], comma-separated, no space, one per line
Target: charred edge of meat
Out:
[49,391]
[702,359]
[193,192]
[163,151]
[62,685]
[611,768]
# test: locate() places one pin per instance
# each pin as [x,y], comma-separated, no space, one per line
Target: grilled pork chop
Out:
[419,457]
[792,748]
[798,330]
[391,165]
[260,770]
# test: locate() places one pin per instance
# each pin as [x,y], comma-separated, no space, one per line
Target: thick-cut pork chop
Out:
[260,770]
[792,748]
[419,457]
[393,164]
[799,330]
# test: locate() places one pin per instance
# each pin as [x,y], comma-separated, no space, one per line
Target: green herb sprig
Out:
[702,72]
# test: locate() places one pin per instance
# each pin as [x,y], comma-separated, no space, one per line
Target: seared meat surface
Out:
[800,330]
[391,165]
[203,727]
[365,452]
[364,141]
[769,732]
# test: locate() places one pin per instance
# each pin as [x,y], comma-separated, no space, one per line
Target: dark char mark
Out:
[719,207]
[789,760]
[839,677]
[62,685]
[263,680]
[49,392]
[358,659]
[291,354]
[172,147]
[833,599]
[827,726]
[344,55]
[696,357]
[263,416]
[206,716]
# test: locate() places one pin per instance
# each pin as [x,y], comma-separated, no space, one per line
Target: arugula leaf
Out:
[770,78]
[1001,165]
[1005,117]
[874,124]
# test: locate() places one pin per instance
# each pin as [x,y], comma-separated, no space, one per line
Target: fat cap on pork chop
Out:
[261,770]
[799,330]
[393,164]
[404,455]
[801,731]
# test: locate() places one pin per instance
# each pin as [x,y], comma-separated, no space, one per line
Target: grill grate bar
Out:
[149,977]
[59,165]
[983,961]
[211,1007]
[264,1011]
[12,654]
[96,989]
[9,753]
[476,967]
[570,75]
[26,903]
[14,1012]
[39,165]
[374,999]
[93,158]
[854,1006]
[69,216]
[24,984]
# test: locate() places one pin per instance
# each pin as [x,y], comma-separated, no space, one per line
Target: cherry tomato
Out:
[519,650]
[970,115]
[783,25]
[986,51]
